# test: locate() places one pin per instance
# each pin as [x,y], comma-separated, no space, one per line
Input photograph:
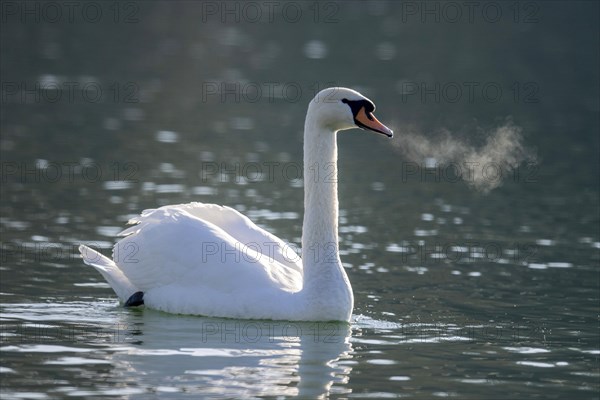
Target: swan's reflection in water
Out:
[233,358]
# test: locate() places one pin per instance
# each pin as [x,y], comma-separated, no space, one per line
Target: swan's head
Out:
[340,108]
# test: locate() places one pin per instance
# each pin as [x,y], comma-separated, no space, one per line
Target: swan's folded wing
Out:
[245,231]
[171,245]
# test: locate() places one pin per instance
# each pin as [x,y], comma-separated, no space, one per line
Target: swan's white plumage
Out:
[219,238]
[211,260]
[186,258]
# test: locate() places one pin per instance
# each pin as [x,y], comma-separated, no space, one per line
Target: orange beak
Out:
[367,120]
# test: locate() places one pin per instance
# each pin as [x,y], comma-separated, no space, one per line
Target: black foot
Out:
[136,299]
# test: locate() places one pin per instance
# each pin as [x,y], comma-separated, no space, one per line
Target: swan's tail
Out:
[110,271]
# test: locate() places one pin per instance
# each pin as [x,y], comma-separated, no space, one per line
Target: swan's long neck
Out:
[320,190]
[324,276]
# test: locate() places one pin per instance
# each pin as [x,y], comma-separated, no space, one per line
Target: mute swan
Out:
[211,260]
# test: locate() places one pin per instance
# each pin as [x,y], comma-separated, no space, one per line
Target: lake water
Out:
[465,289]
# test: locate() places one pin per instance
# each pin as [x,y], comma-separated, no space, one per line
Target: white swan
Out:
[210,260]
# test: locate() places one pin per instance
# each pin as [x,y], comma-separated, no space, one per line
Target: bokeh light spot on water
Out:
[315,49]
[385,51]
